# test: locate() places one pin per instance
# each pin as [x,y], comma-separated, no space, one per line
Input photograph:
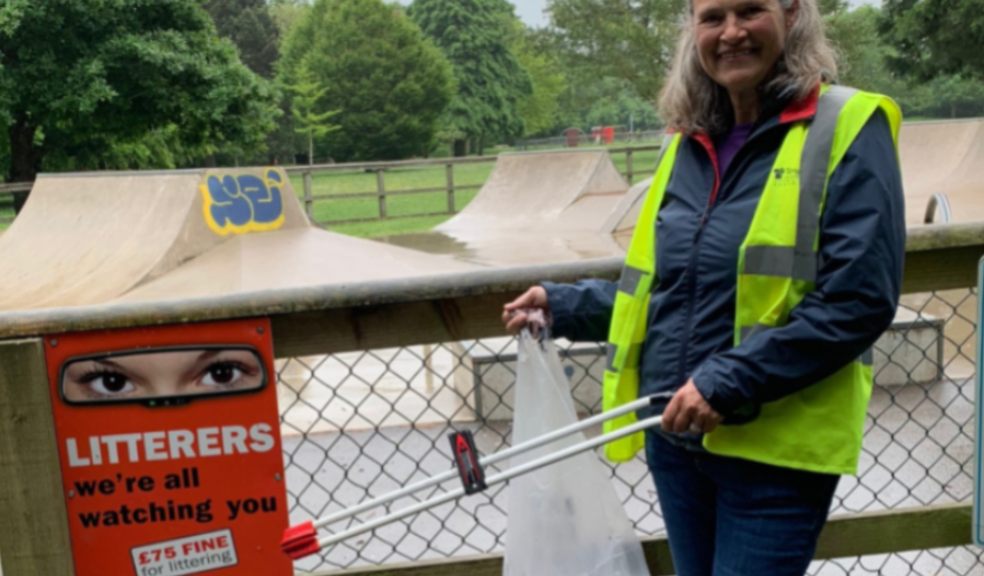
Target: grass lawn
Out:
[327,184]
[6,210]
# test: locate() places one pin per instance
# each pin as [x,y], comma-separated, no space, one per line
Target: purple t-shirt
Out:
[729,145]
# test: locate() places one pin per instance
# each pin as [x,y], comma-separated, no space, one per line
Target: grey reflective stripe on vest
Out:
[813,167]
[630,280]
[868,358]
[632,358]
[780,261]
[800,262]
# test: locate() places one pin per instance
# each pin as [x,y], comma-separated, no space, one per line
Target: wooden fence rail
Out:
[382,191]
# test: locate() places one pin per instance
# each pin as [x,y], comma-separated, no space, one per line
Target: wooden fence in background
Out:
[383,191]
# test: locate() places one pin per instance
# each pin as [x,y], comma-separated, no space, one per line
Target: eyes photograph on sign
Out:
[164,376]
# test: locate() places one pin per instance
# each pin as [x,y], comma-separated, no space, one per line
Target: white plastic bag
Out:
[564,519]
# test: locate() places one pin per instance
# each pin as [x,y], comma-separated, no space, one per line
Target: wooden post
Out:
[628,165]
[308,196]
[449,169]
[34,527]
[381,191]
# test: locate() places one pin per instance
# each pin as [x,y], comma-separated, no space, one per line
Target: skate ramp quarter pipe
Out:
[945,157]
[534,208]
[92,238]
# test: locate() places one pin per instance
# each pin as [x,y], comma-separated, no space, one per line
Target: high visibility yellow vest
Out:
[818,428]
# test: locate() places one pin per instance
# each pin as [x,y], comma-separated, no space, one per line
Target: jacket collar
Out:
[789,111]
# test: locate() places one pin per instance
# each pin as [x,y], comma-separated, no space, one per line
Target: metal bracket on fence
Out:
[470,471]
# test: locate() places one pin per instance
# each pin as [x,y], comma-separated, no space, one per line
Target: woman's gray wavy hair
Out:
[691,101]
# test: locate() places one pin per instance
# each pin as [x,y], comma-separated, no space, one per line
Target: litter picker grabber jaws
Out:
[302,540]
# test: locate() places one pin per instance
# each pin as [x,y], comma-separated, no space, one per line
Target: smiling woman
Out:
[161,374]
[766,261]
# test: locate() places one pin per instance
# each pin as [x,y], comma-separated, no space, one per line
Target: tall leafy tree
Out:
[391,83]
[250,26]
[632,40]
[947,96]
[491,82]
[79,79]
[287,13]
[310,118]
[935,37]
[862,54]
[540,109]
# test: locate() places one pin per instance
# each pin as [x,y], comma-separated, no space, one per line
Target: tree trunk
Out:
[25,157]
[310,148]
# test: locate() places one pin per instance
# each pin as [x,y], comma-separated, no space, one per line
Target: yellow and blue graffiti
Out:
[241,203]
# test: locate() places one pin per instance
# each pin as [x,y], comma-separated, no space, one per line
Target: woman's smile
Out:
[738,45]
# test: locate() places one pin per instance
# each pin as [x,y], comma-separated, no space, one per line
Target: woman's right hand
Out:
[515,314]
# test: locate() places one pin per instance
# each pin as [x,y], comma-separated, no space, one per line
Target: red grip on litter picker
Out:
[466,459]
[300,541]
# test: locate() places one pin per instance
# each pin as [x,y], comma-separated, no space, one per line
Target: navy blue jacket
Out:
[704,218]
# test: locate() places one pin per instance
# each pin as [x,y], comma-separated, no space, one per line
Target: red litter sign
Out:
[169,444]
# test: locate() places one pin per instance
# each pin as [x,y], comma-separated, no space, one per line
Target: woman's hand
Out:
[515,314]
[689,412]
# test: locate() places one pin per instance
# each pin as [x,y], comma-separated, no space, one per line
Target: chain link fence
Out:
[358,425]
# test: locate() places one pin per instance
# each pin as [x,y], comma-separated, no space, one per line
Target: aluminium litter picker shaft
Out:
[301,540]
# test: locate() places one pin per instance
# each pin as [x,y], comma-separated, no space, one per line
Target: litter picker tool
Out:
[302,540]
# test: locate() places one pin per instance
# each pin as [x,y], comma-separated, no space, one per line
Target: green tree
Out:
[474,34]
[616,103]
[628,39]
[605,102]
[390,82]
[862,54]
[250,26]
[935,37]
[540,109]
[311,122]
[287,13]
[119,71]
[949,96]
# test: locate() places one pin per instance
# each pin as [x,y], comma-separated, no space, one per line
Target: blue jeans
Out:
[732,517]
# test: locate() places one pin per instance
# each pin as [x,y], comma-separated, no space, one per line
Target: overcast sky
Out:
[531,11]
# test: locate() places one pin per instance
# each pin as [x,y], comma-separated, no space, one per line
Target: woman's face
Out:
[161,375]
[740,41]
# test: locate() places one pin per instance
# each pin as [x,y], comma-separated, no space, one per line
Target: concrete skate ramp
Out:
[93,238]
[290,259]
[86,238]
[943,157]
[534,208]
